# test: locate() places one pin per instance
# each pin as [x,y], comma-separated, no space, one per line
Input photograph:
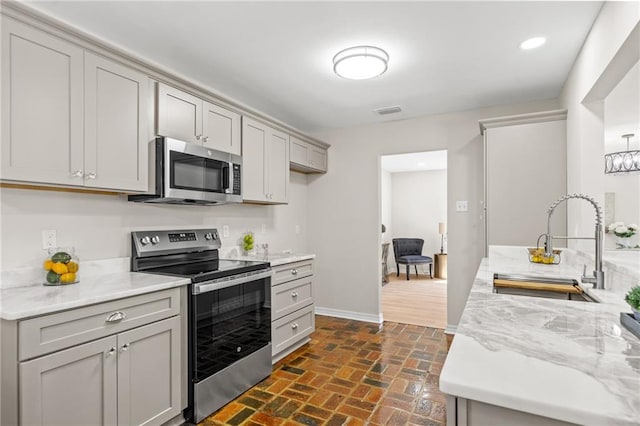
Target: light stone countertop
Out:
[275,259]
[22,294]
[566,360]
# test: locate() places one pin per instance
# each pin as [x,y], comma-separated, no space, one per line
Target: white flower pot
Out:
[623,242]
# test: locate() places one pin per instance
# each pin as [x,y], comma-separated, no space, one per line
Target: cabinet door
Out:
[318,158]
[116,137]
[179,115]
[221,128]
[278,167]
[76,386]
[149,388]
[299,151]
[42,109]
[254,143]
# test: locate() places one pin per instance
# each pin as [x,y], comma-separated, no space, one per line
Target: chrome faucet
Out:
[597,279]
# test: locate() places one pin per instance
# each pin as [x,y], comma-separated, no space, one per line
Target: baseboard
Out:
[358,316]
[451,329]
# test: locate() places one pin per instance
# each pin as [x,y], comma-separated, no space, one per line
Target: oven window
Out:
[196,173]
[230,324]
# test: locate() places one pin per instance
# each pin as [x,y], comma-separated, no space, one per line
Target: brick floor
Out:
[351,373]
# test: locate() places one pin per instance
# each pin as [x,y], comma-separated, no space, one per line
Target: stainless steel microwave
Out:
[187,173]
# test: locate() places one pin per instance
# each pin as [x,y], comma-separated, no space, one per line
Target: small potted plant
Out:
[633,299]
[623,232]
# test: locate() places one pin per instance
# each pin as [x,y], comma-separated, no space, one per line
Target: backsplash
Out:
[99,226]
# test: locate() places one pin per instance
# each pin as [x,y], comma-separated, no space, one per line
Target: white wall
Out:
[344,205]
[99,225]
[419,203]
[387,205]
[585,128]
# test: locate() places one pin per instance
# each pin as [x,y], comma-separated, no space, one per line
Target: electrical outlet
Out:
[225,231]
[462,206]
[49,239]
[297,229]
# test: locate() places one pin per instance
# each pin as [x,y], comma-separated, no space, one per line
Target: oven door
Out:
[230,320]
[194,172]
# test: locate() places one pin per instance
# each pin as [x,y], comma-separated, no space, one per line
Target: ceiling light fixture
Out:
[532,43]
[360,62]
[623,161]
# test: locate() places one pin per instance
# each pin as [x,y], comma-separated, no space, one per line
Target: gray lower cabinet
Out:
[292,308]
[132,377]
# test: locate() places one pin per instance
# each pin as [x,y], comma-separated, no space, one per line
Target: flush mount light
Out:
[360,62]
[532,43]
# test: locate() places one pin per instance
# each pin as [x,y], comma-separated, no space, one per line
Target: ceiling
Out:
[415,162]
[277,56]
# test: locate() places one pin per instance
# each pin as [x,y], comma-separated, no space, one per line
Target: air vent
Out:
[388,110]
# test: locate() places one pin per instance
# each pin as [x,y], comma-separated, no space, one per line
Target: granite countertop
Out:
[274,259]
[23,294]
[566,360]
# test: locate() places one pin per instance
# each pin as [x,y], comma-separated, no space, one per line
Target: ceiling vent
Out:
[388,110]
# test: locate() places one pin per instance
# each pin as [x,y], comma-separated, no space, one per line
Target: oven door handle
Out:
[218,285]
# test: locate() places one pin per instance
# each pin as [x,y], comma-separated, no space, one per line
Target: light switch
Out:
[462,206]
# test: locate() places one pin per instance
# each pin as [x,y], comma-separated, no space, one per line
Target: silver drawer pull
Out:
[294,294]
[110,352]
[124,347]
[77,173]
[91,176]
[116,316]
[294,326]
[294,272]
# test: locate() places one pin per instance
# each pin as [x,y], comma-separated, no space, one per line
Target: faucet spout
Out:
[597,279]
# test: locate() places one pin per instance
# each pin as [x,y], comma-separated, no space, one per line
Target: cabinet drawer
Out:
[291,296]
[292,328]
[49,333]
[291,271]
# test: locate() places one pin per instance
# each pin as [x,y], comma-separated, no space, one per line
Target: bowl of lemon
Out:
[537,255]
[62,266]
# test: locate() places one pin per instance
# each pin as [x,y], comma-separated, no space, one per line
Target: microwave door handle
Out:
[229,179]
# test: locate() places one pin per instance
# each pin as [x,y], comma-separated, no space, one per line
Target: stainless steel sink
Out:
[537,286]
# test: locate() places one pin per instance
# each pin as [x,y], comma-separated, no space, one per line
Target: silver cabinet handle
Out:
[124,347]
[91,176]
[205,139]
[110,352]
[198,137]
[116,316]
[77,173]
[294,294]
[294,326]
[294,272]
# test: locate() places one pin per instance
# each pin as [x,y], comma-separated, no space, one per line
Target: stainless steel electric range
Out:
[229,344]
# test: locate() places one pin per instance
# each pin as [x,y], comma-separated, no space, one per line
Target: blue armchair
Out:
[408,251]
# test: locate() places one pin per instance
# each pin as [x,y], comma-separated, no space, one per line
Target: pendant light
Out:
[623,161]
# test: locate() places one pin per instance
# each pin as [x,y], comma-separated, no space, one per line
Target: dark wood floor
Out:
[351,373]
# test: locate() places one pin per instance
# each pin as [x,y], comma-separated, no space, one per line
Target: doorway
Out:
[414,205]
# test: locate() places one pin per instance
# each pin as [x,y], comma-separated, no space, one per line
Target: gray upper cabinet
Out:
[42,106]
[191,119]
[306,157]
[70,117]
[116,136]
[265,163]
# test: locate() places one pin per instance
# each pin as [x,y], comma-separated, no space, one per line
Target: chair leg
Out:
[397,269]
[408,270]
[416,266]
[430,275]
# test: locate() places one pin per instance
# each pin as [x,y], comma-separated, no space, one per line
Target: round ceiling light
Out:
[360,62]
[532,43]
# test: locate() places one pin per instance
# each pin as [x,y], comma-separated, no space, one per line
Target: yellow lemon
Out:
[59,268]
[68,278]
[48,264]
[73,267]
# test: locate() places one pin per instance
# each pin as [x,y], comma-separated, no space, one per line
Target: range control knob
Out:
[145,240]
[155,239]
[208,236]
